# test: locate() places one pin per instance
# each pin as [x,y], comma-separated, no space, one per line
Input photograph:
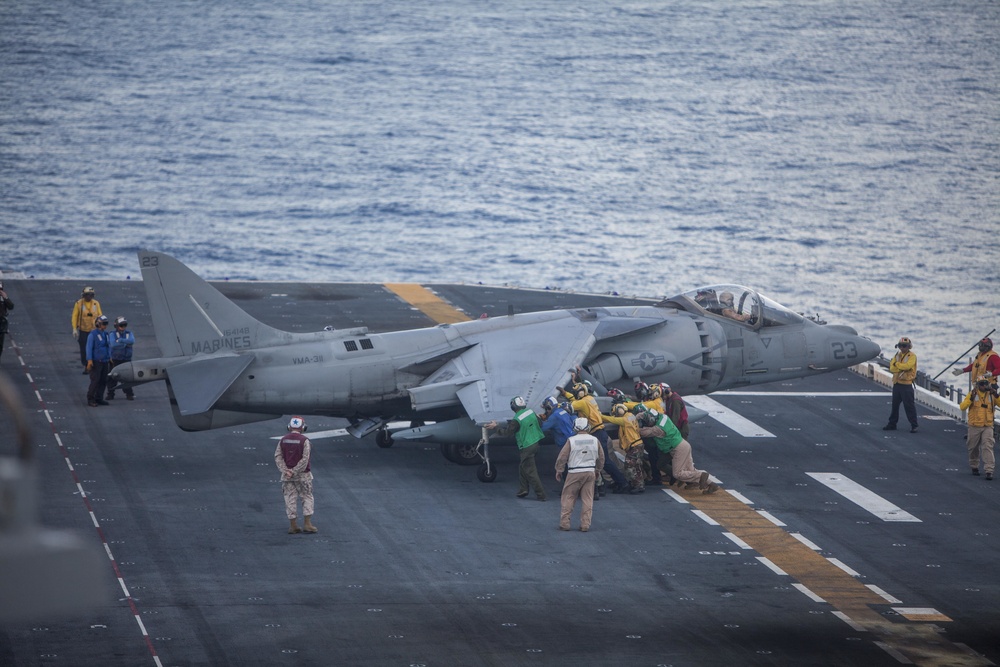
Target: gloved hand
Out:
[90,366]
[76,334]
[957,372]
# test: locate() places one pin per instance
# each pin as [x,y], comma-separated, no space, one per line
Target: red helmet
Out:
[985,344]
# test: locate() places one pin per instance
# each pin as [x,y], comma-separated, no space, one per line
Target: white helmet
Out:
[518,403]
[296,423]
[581,424]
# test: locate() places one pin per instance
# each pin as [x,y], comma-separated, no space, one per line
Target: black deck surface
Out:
[418,563]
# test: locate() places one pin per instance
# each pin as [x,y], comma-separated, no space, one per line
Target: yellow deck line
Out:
[919,642]
[427,302]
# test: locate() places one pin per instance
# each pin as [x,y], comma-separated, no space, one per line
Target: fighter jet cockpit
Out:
[734,302]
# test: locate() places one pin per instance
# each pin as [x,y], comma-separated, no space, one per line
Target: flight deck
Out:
[831,542]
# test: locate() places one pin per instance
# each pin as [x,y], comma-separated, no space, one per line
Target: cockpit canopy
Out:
[734,302]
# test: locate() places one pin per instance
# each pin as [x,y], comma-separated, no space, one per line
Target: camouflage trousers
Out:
[634,473]
[295,490]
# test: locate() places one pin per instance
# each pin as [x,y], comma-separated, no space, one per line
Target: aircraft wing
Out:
[529,360]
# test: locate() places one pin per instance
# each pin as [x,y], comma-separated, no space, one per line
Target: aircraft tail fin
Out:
[192,317]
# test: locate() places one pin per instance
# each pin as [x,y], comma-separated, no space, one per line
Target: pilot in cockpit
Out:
[707,299]
[728,308]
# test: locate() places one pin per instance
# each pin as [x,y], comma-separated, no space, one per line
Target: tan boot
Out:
[307,526]
[294,527]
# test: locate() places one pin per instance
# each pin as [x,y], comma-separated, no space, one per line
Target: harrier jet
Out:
[223,367]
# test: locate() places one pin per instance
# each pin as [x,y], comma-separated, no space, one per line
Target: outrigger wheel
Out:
[486,472]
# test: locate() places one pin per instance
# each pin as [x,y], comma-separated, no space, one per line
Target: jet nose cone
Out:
[867,349]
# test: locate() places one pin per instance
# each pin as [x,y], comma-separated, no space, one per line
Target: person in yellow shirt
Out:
[85,313]
[631,443]
[903,367]
[981,403]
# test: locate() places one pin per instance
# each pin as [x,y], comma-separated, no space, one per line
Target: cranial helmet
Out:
[589,385]
[904,342]
[550,403]
[518,403]
[641,391]
[102,319]
[639,408]
[655,391]
[88,290]
[646,418]
[580,424]
[296,423]
[985,345]
[619,410]
[617,396]
[580,390]
[120,321]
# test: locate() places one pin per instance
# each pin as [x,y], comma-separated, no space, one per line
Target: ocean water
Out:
[841,157]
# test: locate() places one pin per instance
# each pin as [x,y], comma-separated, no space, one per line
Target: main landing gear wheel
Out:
[466,455]
[487,472]
[383,438]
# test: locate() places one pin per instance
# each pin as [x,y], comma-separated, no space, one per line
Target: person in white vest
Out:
[582,457]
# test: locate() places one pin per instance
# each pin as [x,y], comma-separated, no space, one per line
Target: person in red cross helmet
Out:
[903,367]
[987,361]
[293,457]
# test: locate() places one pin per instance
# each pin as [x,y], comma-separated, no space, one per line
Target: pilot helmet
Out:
[619,410]
[101,319]
[580,390]
[297,423]
[727,298]
[904,342]
[120,321]
[550,403]
[581,424]
[985,345]
[518,403]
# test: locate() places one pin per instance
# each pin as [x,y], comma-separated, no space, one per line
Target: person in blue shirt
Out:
[557,420]
[122,341]
[98,360]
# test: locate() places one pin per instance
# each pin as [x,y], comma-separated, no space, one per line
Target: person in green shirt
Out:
[527,430]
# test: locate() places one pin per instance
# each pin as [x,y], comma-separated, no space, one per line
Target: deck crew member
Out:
[675,408]
[981,403]
[655,425]
[903,367]
[122,341]
[527,430]
[582,457]
[98,358]
[631,443]
[987,361]
[293,456]
[6,305]
[86,310]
